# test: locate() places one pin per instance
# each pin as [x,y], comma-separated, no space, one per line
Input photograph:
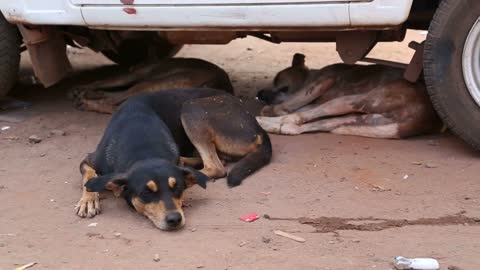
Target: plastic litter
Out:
[416,263]
[250,217]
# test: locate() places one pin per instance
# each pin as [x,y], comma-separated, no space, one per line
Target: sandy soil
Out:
[358,202]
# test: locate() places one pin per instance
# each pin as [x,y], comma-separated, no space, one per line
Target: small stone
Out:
[200,266]
[52,200]
[371,254]
[42,154]
[193,229]
[11,138]
[275,248]
[357,188]
[34,139]
[433,143]
[241,244]
[58,132]
[417,163]
[331,242]
[117,234]
[92,234]
[156,258]
[266,239]
[430,165]
[355,241]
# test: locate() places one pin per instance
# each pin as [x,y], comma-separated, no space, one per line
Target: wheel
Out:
[9,55]
[134,51]
[452,67]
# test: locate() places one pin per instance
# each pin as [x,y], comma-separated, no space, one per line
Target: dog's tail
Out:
[252,162]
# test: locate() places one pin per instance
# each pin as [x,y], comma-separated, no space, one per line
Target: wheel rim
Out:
[471,62]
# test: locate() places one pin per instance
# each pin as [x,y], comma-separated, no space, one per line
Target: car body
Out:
[210,14]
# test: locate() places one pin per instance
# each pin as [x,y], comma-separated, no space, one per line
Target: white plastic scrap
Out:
[417,263]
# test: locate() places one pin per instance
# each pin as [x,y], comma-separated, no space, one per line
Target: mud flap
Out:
[48,53]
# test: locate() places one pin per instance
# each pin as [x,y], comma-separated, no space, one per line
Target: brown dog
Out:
[173,73]
[371,101]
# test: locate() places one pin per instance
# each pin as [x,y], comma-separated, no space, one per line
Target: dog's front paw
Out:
[89,205]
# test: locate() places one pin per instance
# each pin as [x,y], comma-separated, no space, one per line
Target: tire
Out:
[9,55]
[135,51]
[443,67]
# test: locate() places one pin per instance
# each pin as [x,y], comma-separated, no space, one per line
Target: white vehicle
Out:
[132,31]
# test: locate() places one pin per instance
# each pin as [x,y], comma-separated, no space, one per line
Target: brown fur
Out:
[175,73]
[372,101]
[220,126]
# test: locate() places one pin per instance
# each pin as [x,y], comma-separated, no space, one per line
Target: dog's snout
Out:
[173,220]
[265,95]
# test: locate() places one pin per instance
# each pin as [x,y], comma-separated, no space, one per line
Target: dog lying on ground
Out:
[371,101]
[151,137]
[173,73]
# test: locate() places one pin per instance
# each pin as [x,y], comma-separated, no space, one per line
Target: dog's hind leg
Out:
[110,101]
[198,133]
[367,125]
[325,125]
[339,106]
[301,98]
[371,125]
[89,203]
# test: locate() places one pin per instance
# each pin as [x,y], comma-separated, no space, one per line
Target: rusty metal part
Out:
[353,46]
[332,36]
[415,68]
[262,36]
[383,62]
[47,50]
[131,11]
[213,37]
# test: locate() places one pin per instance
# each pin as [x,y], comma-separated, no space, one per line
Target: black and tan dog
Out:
[151,137]
[173,73]
[371,101]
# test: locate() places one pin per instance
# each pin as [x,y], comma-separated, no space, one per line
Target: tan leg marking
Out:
[89,203]
[117,190]
[190,161]
[213,167]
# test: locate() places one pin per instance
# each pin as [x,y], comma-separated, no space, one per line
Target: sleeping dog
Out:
[151,137]
[371,101]
[172,73]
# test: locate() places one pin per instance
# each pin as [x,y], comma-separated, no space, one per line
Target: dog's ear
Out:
[298,60]
[193,177]
[99,183]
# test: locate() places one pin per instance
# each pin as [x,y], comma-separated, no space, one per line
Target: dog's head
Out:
[286,82]
[154,189]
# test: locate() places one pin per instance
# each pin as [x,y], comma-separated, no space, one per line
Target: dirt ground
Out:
[358,202]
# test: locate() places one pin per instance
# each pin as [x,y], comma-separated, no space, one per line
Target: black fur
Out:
[251,162]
